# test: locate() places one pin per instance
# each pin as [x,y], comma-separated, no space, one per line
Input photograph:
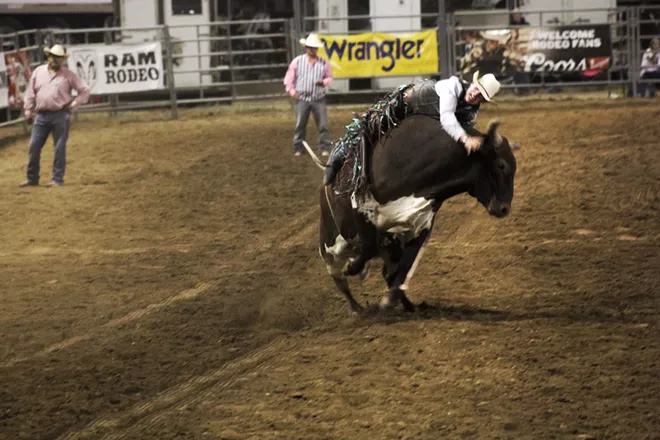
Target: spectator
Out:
[517,19]
[49,95]
[306,81]
[650,68]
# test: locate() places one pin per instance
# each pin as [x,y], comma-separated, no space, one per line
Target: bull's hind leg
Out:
[410,257]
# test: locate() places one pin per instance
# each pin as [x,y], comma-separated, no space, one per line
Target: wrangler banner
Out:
[378,54]
[584,49]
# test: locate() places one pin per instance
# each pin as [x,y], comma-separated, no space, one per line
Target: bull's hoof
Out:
[355,309]
[393,299]
[409,306]
[386,304]
[364,273]
[354,267]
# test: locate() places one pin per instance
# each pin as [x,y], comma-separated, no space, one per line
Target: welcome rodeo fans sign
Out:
[379,54]
[118,68]
[560,49]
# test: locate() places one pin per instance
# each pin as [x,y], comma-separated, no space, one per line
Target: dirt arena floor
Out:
[172,289]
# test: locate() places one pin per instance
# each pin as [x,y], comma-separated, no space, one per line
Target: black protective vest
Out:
[425,101]
[466,114]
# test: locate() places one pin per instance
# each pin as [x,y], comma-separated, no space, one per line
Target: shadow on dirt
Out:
[11,139]
[466,312]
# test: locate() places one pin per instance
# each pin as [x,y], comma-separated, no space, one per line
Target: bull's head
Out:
[494,188]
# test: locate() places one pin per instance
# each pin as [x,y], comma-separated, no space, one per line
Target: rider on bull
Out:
[454,101]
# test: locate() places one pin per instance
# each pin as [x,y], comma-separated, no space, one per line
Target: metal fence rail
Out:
[227,61]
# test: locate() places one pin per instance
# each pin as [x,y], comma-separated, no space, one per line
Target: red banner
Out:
[18,76]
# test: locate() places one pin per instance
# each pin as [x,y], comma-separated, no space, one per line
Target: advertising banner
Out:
[585,49]
[17,65]
[118,68]
[376,54]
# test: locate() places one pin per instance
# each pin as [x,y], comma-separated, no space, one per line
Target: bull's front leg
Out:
[368,250]
[342,285]
[359,265]
[410,257]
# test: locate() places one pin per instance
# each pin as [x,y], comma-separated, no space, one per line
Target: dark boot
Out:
[335,162]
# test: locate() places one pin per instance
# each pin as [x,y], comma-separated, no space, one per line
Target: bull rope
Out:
[366,130]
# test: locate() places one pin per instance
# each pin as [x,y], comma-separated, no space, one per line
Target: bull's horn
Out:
[515,146]
[492,132]
[497,141]
[493,124]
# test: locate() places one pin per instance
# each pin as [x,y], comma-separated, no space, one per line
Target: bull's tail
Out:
[315,158]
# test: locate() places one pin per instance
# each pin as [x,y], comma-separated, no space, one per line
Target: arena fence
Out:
[229,61]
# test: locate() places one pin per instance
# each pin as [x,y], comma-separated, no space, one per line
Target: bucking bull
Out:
[411,172]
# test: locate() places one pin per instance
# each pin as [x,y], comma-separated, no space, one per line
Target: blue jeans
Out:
[46,123]
[319,110]
[644,88]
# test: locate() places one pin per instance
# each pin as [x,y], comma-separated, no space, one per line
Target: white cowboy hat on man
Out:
[312,40]
[57,51]
[488,85]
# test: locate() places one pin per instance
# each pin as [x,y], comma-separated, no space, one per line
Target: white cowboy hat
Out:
[488,85]
[499,36]
[57,51]
[312,40]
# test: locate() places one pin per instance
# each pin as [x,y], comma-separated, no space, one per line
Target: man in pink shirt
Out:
[49,96]
[306,81]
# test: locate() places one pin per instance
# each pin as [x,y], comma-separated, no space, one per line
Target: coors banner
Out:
[557,49]
[118,68]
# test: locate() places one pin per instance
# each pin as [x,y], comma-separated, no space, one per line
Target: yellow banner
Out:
[379,54]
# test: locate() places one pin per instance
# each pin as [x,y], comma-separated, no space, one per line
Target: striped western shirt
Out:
[303,75]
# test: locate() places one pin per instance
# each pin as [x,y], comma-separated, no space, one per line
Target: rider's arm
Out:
[449,90]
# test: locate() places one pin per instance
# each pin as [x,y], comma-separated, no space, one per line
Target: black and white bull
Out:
[412,172]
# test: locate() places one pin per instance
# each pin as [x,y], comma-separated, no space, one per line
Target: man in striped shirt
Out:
[306,81]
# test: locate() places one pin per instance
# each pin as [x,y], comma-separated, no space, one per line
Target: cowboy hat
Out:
[499,36]
[57,51]
[312,40]
[488,85]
